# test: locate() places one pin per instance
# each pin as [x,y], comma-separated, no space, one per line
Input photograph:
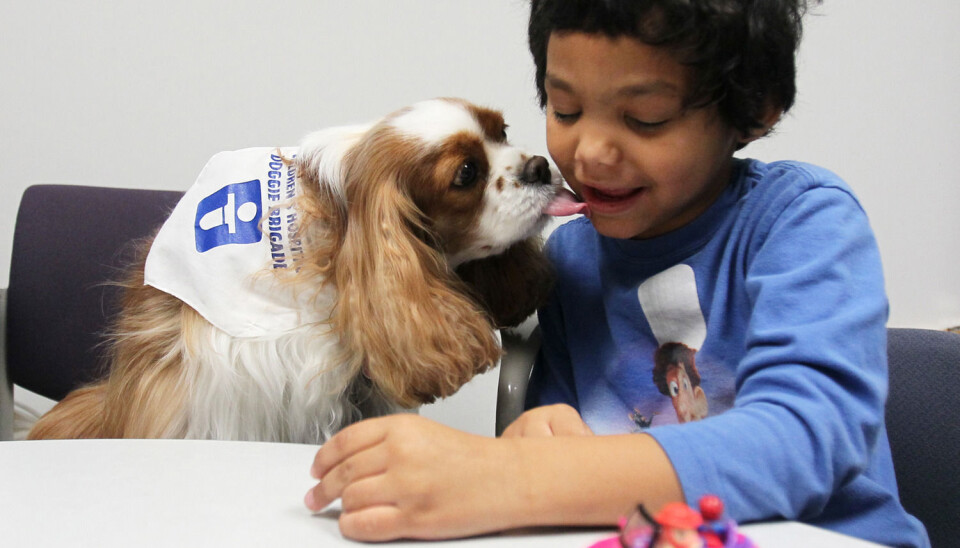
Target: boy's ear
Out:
[771,116]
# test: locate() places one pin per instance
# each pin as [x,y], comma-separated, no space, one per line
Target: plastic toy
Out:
[677,525]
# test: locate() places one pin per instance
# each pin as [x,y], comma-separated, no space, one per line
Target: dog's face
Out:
[481,194]
[427,222]
[475,193]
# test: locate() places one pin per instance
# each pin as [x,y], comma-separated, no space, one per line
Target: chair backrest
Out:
[923,423]
[69,242]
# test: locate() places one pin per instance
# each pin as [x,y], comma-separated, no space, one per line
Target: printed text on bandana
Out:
[232,215]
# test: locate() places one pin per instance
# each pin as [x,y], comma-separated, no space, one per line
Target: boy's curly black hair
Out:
[742,52]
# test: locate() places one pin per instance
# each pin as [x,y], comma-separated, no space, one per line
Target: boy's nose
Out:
[597,152]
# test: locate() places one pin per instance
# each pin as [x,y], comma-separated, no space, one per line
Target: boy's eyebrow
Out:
[645,88]
[656,86]
[553,81]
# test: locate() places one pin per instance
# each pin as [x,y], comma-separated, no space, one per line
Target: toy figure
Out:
[679,526]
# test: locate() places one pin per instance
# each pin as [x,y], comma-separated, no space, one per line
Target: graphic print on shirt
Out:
[671,305]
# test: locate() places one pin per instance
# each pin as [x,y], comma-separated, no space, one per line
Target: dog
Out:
[409,241]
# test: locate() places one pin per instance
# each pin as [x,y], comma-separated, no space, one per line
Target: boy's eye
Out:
[641,125]
[565,117]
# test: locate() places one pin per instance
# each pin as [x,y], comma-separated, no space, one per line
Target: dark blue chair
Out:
[923,422]
[69,243]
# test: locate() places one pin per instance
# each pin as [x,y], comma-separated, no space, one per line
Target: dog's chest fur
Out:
[282,389]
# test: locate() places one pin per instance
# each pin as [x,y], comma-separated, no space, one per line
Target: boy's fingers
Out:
[528,429]
[366,493]
[553,420]
[353,481]
[349,441]
[314,500]
[529,425]
[363,465]
[569,426]
[374,524]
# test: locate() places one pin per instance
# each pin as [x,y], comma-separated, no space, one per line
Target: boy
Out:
[769,273]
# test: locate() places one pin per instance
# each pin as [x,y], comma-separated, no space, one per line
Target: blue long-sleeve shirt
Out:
[749,343]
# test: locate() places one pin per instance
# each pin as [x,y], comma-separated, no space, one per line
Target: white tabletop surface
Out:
[123,493]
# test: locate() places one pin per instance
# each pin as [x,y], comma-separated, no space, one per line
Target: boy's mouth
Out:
[610,200]
[610,195]
[605,201]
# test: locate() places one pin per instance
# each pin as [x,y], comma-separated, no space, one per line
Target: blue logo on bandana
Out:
[230,215]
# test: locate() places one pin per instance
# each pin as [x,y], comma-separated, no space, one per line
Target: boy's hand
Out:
[404,476]
[549,420]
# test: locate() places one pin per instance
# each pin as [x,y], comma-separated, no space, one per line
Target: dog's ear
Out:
[323,154]
[402,315]
[322,202]
[513,284]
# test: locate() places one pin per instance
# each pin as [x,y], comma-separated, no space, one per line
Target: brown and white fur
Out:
[421,233]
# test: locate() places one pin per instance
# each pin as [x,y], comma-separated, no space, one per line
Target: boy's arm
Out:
[810,386]
[405,476]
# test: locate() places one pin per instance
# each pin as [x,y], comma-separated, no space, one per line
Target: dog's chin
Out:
[538,225]
[534,227]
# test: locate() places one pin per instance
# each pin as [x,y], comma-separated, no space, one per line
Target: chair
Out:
[923,422]
[69,242]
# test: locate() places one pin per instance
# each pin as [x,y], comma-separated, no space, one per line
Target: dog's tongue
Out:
[565,203]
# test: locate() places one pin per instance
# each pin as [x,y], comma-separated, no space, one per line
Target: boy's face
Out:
[617,129]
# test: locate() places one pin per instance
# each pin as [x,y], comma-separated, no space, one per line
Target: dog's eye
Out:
[467,175]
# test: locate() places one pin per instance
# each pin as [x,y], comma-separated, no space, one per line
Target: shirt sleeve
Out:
[812,381]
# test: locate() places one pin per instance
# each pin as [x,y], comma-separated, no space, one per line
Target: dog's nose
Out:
[536,171]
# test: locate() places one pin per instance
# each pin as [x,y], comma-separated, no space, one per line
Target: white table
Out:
[143,493]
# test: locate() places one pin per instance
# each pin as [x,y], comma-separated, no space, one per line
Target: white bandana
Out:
[233,227]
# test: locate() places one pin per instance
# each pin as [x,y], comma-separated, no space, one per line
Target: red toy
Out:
[677,525]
